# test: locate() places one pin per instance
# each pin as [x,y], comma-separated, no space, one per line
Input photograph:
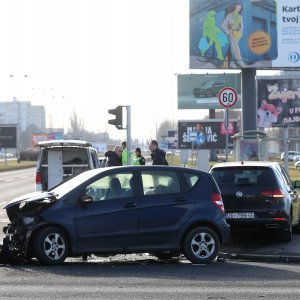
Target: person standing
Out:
[114,158]
[124,154]
[233,27]
[158,155]
[139,159]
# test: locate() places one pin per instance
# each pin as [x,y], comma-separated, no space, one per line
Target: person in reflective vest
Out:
[124,154]
[139,159]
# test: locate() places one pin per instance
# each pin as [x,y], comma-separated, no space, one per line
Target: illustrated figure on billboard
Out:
[200,137]
[233,27]
[267,114]
[212,35]
[249,150]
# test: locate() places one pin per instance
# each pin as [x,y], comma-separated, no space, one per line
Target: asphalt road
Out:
[14,184]
[143,277]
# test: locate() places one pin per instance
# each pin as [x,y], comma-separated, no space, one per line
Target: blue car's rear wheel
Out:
[201,245]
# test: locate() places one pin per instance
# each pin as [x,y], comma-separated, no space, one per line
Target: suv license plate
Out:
[242,215]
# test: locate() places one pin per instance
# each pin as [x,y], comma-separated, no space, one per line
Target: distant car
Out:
[161,210]
[209,88]
[296,158]
[297,164]
[7,155]
[291,155]
[258,196]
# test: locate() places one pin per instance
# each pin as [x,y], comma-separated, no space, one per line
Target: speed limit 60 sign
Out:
[228,97]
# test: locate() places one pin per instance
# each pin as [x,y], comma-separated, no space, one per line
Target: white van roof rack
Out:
[53,143]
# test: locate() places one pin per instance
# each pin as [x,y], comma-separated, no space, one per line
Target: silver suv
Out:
[60,159]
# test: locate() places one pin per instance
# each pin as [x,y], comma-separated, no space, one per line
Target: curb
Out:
[286,258]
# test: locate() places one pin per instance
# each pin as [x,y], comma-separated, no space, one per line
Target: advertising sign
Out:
[172,139]
[8,137]
[164,143]
[249,150]
[40,137]
[278,102]
[197,91]
[204,134]
[261,34]
[100,148]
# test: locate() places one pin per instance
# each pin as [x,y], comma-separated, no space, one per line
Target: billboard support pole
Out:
[213,154]
[249,116]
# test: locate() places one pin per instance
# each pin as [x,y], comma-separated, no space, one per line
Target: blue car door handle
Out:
[130,205]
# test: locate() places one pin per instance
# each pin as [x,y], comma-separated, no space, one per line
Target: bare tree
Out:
[164,127]
[77,125]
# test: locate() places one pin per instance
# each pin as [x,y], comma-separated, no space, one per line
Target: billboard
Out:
[204,134]
[172,139]
[229,34]
[8,137]
[197,91]
[40,137]
[278,101]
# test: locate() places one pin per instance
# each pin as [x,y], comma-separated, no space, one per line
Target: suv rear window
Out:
[70,156]
[260,176]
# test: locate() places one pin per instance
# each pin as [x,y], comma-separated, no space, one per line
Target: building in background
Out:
[22,113]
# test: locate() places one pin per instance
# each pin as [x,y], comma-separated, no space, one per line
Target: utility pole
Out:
[118,121]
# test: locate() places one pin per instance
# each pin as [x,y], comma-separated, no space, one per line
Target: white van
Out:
[60,159]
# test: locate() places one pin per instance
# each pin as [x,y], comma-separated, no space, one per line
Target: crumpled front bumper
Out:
[13,247]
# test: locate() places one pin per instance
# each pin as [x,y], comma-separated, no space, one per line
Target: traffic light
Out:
[118,121]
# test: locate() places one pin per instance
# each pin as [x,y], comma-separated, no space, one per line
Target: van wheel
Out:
[51,246]
[201,245]
[165,255]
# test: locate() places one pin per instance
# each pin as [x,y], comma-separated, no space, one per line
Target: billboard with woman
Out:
[231,34]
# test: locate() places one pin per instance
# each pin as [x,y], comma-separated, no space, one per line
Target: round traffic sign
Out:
[228,97]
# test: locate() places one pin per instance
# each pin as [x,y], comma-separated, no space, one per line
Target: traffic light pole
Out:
[128,128]
[119,123]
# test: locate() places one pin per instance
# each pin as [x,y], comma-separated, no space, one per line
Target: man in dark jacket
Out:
[113,158]
[158,155]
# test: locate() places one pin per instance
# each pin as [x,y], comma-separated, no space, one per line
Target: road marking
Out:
[2,203]
[7,180]
[4,220]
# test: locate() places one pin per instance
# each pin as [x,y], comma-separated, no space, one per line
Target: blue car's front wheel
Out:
[51,246]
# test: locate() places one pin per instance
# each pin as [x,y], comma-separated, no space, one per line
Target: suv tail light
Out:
[38,178]
[218,201]
[273,193]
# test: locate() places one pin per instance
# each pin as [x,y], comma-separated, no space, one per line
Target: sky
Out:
[89,56]
[93,55]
